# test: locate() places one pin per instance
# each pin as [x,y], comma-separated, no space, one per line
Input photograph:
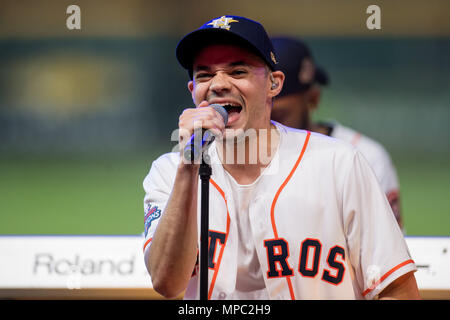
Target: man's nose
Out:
[220,83]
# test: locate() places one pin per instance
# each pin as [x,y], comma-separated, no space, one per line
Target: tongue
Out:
[233,114]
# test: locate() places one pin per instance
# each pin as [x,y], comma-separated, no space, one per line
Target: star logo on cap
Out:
[272,57]
[222,22]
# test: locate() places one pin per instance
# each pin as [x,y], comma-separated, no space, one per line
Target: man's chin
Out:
[239,135]
[231,134]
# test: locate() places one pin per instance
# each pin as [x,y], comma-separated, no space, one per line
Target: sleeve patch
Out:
[151,213]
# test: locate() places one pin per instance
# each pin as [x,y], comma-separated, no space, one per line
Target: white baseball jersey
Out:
[378,159]
[375,154]
[314,225]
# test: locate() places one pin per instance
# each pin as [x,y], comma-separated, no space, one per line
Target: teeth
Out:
[231,105]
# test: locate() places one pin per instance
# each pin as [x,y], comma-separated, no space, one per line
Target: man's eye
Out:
[239,72]
[202,75]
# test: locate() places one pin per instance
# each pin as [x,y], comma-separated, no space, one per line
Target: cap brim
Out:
[321,76]
[189,46]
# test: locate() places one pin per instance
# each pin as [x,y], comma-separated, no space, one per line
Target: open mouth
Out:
[233,112]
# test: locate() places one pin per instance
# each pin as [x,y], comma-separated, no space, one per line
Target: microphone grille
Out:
[221,110]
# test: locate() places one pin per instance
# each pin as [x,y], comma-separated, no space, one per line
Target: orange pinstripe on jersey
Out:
[219,259]
[147,242]
[272,209]
[387,274]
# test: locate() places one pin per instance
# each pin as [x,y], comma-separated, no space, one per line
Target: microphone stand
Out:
[205,172]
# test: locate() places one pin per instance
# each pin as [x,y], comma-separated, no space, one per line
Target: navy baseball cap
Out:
[297,63]
[226,29]
[321,77]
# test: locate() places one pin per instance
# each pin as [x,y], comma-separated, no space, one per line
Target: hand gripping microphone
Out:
[200,140]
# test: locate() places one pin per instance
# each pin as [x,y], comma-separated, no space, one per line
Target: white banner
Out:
[72,262]
[76,262]
[432,258]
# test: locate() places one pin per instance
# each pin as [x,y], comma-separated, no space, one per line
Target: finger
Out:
[204,117]
[209,113]
[203,104]
[218,134]
[210,121]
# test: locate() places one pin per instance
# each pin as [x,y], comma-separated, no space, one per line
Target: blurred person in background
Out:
[300,97]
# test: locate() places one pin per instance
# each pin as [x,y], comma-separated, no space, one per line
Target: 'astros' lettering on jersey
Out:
[321,225]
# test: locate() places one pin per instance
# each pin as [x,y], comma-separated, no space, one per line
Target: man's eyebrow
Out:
[239,63]
[201,68]
[232,64]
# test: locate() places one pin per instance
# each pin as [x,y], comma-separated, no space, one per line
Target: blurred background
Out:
[83,113]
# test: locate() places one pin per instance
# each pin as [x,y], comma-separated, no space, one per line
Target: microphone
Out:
[194,147]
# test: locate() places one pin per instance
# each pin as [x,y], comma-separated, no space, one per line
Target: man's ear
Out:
[276,85]
[190,86]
